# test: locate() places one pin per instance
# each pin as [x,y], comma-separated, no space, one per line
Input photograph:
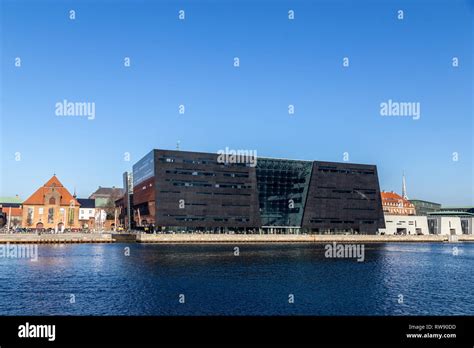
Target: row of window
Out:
[200,183]
[223,204]
[50,219]
[281,199]
[203,216]
[369,209]
[363,190]
[328,169]
[190,172]
[208,218]
[223,194]
[333,221]
[201,161]
[209,193]
[236,175]
[214,219]
[348,198]
[197,184]
[202,173]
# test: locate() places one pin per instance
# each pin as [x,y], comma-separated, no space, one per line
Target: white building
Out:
[405,224]
[445,225]
[87,212]
[432,224]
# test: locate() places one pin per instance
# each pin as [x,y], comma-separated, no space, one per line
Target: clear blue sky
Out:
[282,62]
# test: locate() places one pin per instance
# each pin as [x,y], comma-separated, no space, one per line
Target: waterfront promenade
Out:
[290,238]
[111,237]
[58,238]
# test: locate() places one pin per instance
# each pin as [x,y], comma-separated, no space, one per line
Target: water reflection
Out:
[106,281]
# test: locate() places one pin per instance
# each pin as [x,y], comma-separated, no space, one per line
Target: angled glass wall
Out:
[282,189]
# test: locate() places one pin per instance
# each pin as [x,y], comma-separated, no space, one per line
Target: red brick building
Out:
[51,207]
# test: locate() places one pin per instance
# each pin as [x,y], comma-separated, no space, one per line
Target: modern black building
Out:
[200,192]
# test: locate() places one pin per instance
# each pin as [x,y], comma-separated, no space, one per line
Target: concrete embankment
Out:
[56,238]
[281,238]
[216,238]
[124,237]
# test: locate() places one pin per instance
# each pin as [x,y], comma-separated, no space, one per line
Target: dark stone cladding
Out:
[328,197]
[343,196]
[214,194]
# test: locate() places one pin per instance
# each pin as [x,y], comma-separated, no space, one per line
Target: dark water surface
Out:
[431,279]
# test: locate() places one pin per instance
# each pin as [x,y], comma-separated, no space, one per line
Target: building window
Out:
[71,216]
[52,200]
[30,216]
[50,215]
[40,211]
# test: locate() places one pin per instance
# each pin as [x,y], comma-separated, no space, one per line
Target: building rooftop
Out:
[10,200]
[450,213]
[391,198]
[421,200]
[176,152]
[37,198]
[106,192]
[86,202]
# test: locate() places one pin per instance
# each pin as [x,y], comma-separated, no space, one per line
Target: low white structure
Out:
[418,225]
[405,224]
[445,225]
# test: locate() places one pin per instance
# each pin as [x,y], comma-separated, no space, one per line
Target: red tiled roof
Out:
[37,198]
[392,197]
[14,211]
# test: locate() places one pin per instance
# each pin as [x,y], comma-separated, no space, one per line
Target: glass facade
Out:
[144,169]
[282,189]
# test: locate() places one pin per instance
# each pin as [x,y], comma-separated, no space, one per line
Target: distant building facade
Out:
[106,214]
[405,225]
[400,214]
[425,207]
[394,204]
[451,222]
[445,225]
[51,207]
[11,212]
[105,197]
[457,209]
[86,213]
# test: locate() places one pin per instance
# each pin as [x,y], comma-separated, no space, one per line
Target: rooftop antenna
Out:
[177,145]
[404,187]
